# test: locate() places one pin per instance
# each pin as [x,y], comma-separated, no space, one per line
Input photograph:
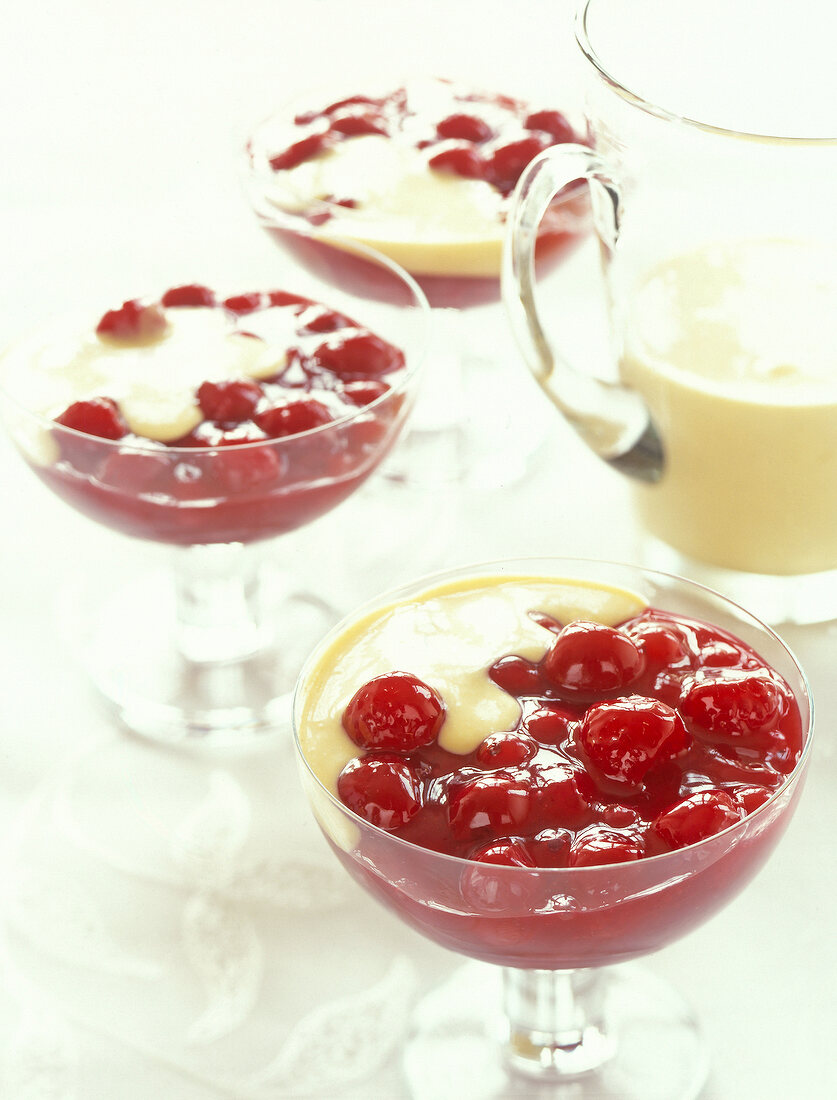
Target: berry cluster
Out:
[632,741]
[487,137]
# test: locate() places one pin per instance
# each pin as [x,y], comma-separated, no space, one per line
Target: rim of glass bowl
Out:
[493,568]
[254,156]
[582,35]
[413,364]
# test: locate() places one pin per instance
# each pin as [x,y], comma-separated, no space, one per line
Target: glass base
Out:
[644,1044]
[479,421]
[135,652]
[799,599]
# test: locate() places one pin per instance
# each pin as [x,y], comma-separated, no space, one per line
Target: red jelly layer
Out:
[633,743]
[270,454]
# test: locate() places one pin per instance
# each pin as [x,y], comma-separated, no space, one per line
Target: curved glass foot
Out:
[201,658]
[615,1034]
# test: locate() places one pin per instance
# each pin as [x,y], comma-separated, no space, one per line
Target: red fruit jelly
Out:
[203,419]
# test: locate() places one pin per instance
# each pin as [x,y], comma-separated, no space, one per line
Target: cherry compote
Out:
[632,741]
[298,404]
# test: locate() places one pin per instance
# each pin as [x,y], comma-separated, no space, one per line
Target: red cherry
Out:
[134,471]
[304,149]
[461,127]
[697,817]
[517,676]
[624,738]
[240,469]
[244,303]
[293,417]
[283,298]
[359,353]
[323,319]
[503,891]
[599,845]
[550,724]
[382,789]
[133,322]
[462,160]
[721,654]
[364,391]
[505,750]
[749,798]
[353,124]
[620,817]
[192,295]
[551,847]
[558,801]
[732,705]
[99,416]
[507,161]
[588,659]
[552,123]
[395,711]
[499,801]
[229,402]
[661,645]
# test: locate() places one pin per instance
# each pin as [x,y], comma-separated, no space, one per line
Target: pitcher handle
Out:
[612,419]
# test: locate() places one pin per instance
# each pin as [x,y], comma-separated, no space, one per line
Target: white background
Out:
[120,126]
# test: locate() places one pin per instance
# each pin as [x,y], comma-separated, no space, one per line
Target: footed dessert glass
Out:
[216,638]
[423,174]
[553,1007]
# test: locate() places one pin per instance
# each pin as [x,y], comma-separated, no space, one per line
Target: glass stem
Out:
[555,1024]
[219,606]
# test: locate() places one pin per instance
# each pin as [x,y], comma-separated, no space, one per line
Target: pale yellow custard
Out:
[733,349]
[154,382]
[448,636]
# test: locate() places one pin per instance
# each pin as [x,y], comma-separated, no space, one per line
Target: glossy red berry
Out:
[230,401]
[662,646]
[462,127]
[239,469]
[517,676]
[304,149]
[600,845]
[749,798]
[461,160]
[293,417]
[244,303]
[505,750]
[552,123]
[364,391]
[322,319]
[499,891]
[587,660]
[697,817]
[134,322]
[551,847]
[382,789]
[496,801]
[396,711]
[359,353]
[558,801]
[356,123]
[625,738]
[284,298]
[134,471]
[99,416]
[192,295]
[550,724]
[733,705]
[506,163]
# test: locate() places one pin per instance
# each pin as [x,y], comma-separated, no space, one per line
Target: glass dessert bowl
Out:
[554,766]
[212,423]
[422,173]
